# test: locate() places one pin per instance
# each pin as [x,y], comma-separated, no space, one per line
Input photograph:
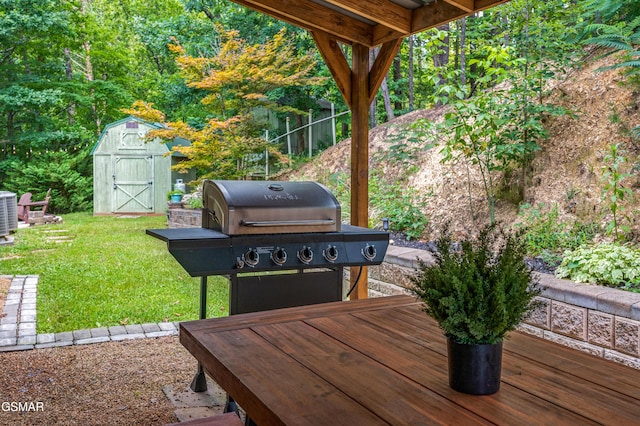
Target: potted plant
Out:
[477,291]
[175,196]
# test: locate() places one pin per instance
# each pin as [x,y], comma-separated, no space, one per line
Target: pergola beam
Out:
[383,12]
[381,66]
[360,89]
[312,16]
[336,62]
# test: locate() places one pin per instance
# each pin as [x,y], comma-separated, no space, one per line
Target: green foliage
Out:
[391,200]
[498,129]
[107,272]
[481,292]
[546,236]
[401,205]
[65,173]
[238,81]
[607,264]
[613,192]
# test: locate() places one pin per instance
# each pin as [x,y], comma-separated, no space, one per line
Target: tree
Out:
[237,80]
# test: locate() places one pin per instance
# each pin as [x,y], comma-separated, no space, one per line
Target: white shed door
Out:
[132,184]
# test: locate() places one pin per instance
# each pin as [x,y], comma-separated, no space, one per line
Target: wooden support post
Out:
[360,154]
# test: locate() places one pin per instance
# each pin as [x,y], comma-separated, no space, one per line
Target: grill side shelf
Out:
[201,252]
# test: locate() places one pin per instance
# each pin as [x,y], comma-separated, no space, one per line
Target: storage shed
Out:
[131,175]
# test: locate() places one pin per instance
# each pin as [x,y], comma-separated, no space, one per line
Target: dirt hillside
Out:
[566,172]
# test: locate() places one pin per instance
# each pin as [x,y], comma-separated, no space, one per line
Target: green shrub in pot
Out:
[477,290]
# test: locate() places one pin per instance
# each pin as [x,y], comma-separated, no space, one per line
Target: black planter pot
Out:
[474,369]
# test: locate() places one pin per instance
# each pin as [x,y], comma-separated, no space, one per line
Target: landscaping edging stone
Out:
[599,320]
[18,324]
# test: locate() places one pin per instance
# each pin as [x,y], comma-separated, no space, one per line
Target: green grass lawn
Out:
[103,271]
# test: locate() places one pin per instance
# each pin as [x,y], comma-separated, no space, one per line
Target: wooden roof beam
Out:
[313,16]
[383,12]
[466,5]
[434,15]
[381,66]
[336,62]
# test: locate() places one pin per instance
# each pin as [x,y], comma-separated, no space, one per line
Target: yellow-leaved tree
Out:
[237,81]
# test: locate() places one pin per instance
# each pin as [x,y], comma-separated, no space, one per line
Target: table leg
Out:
[199,383]
[232,407]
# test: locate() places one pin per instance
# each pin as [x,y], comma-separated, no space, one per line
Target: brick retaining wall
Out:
[599,320]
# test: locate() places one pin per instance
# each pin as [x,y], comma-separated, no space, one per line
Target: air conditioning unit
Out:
[8,214]
[12,209]
[4,218]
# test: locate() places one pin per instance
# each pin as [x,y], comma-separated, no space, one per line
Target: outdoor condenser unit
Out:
[8,213]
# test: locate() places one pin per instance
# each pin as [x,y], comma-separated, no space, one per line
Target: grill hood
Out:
[268,207]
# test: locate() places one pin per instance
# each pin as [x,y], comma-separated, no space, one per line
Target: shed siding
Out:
[130,176]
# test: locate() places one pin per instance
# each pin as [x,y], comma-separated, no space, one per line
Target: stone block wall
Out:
[183,218]
[599,320]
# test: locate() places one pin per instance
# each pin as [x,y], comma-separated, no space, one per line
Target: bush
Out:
[401,205]
[547,237]
[68,176]
[391,200]
[481,292]
[607,264]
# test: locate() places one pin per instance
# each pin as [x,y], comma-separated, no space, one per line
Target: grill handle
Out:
[268,223]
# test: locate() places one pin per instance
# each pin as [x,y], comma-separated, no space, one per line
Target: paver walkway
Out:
[18,333]
[18,324]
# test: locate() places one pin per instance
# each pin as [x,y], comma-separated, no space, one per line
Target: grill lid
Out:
[269,207]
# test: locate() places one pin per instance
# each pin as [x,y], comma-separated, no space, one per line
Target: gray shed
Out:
[131,175]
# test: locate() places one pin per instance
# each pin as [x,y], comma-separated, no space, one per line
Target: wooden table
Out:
[383,361]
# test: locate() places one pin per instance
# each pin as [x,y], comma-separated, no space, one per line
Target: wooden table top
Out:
[383,361]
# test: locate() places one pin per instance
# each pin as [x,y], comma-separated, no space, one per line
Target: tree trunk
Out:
[397,76]
[463,54]
[71,109]
[373,122]
[411,87]
[441,60]
[387,100]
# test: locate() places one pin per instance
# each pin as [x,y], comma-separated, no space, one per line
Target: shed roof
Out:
[170,144]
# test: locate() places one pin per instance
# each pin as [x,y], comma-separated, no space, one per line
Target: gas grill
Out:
[258,226]
[280,243]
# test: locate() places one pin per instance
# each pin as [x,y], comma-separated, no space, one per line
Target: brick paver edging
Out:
[18,324]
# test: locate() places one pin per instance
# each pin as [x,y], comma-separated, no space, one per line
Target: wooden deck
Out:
[382,361]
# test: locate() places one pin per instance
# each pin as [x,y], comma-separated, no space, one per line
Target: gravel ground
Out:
[115,383]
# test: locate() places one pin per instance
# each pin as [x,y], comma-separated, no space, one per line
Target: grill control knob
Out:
[369,252]
[330,253]
[251,257]
[239,263]
[305,254]
[279,256]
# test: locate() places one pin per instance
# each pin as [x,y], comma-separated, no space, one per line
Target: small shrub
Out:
[391,200]
[401,205]
[614,193]
[607,264]
[546,236]
[481,292]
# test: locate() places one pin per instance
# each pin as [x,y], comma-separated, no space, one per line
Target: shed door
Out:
[132,184]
